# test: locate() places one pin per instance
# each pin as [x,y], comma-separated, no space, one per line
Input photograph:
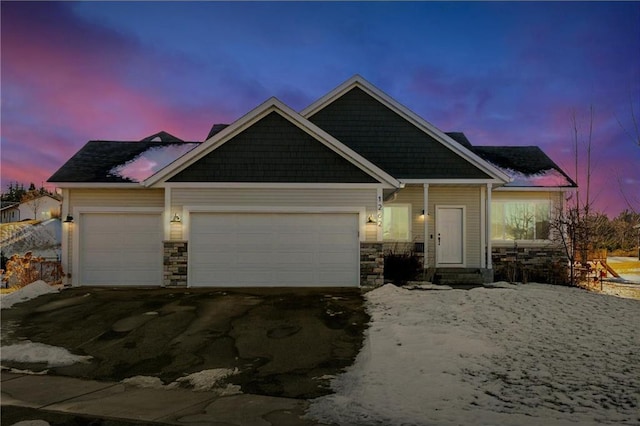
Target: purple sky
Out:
[503,73]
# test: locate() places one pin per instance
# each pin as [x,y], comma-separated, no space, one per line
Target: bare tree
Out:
[574,222]
[633,131]
[33,199]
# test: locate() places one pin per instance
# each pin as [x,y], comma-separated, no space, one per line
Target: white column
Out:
[379,215]
[425,207]
[166,217]
[488,226]
[66,229]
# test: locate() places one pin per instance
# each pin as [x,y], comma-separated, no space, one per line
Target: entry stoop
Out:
[453,276]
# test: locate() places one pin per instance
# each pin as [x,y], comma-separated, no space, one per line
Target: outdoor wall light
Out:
[175,218]
[371,219]
[69,219]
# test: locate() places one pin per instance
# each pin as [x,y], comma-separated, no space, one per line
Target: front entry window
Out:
[520,220]
[396,222]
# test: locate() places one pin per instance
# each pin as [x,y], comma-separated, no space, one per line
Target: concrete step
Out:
[451,276]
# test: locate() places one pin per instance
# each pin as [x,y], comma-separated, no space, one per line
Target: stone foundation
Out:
[175,264]
[530,264]
[371,265]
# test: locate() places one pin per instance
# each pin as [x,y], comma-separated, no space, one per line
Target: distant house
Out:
[310,198]
[40,208]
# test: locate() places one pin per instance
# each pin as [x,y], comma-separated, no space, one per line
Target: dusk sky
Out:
[502,73]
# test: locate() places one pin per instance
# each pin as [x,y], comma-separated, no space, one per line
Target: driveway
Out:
[283,342]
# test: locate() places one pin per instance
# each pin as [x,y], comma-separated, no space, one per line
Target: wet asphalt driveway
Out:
[283,342]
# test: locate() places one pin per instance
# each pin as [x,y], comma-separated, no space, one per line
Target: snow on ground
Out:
[205,380]
[30,352]
[30,291]
[529,355]
[43,239]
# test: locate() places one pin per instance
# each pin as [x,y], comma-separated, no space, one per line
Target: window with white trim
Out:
[396,222]
[520,220]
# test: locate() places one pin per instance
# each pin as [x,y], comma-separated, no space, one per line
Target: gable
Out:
[273,149]
[388,140]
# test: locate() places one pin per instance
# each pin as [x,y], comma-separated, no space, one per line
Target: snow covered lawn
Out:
[519,355]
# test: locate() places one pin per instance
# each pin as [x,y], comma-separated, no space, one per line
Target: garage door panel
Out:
[120,249]
[274,249]
[296,259]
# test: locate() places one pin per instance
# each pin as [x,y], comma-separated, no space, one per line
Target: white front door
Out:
[450,236]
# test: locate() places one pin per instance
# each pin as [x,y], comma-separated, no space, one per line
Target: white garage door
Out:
[120,249]
[300,250]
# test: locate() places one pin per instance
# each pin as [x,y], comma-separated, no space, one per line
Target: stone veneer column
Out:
[175,264]
[371,264]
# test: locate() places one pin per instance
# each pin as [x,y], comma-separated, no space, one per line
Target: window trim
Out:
[529,201]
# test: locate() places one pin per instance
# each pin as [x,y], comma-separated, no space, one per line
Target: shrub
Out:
[400,267]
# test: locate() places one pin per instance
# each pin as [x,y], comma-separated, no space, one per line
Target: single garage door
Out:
[120,249]
[298,250]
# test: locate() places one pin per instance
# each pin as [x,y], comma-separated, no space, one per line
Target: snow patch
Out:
[30,352]
[32,423]
[547,178]
[147,382]
[28,292]
[209,380]
[151,161]
[203,381]
[527,355]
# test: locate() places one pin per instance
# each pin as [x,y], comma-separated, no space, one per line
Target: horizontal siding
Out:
[115,198]
[459,196]
[553,196]
[274,197]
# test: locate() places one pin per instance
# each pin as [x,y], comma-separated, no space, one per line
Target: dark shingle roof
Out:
[525,160]
[162,136]
[96,160]
[216,128]
[461,138]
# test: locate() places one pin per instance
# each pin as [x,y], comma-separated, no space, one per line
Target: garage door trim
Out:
[77,226]
[187,210]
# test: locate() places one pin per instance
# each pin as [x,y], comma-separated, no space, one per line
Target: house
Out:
[281,198]
[42,207]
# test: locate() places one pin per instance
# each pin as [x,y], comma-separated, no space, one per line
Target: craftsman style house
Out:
[310,198]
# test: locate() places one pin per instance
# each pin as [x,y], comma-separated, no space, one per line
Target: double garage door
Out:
[243,249]
[225,249]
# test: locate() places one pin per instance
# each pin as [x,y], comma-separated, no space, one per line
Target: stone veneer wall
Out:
[175,264]
[530,264]
[371,264]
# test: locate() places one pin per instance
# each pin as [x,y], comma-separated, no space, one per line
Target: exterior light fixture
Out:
[69,219]
[176,218]
[371,219]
